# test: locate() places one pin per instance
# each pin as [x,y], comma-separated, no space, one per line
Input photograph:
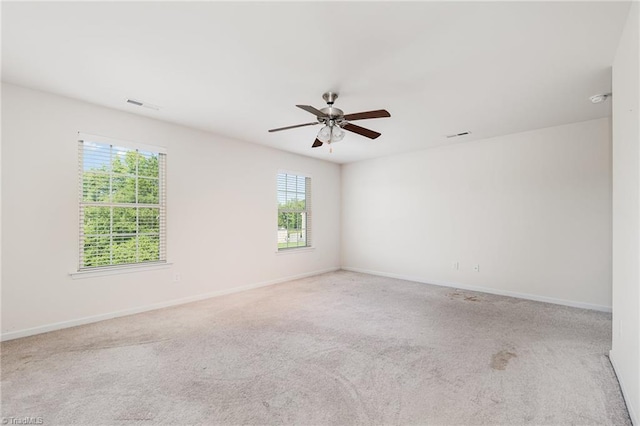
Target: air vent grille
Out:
[457,135]
[142,104]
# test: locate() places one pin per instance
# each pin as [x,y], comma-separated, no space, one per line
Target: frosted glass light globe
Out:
[324,135]
[337,135]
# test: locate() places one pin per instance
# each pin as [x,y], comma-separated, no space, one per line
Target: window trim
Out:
[119,142]
[101,271]
[292,250]
[300,249]
[126,267]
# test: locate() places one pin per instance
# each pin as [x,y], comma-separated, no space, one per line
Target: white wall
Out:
[625,353]
[532,209]
[218,190]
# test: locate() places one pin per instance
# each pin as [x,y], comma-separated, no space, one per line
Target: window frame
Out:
[308,210]
[83,271]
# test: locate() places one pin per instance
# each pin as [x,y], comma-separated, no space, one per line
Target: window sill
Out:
[100,272]
[294,250]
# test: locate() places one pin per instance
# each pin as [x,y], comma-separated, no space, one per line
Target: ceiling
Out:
[239,69]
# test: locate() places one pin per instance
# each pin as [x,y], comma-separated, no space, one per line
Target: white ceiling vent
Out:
[457,135]
[143,104]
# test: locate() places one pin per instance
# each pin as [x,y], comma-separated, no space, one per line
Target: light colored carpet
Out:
[339,348]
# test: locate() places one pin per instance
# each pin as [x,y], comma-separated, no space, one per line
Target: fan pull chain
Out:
[330,150]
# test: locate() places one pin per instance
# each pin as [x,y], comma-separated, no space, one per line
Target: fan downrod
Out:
[330,97]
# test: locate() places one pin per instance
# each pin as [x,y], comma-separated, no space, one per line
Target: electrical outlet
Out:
[177,277]
[455,265]
[476,268]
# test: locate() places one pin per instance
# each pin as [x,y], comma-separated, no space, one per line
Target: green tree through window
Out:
[122,207]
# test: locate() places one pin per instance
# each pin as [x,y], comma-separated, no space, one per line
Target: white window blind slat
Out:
[294,211]
[122,195]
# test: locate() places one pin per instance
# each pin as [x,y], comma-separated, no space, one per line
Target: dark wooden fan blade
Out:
[316,143]
[293,127]
[361,131]
[313,111]
[380,113]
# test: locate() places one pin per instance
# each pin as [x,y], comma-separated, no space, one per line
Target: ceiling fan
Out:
[335,120]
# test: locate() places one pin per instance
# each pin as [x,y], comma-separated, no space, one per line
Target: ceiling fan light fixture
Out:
[335,122]
[331,134]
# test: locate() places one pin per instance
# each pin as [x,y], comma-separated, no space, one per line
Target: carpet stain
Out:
[457,295]
[137,417]
[114,344]
[500,360]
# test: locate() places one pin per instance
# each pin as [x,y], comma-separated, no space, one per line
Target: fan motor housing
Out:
[332,112]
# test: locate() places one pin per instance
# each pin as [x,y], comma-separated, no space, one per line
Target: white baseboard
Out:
[95,318]
[625,394]
[489,290]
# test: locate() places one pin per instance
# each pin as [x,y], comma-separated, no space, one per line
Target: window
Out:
[122,203]
[294,211]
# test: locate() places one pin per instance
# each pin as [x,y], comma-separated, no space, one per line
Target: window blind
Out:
[122,204]
[294,211]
